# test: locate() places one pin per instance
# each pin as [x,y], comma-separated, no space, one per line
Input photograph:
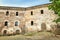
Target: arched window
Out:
[6,23]
[7,13]
[16,13]
[16,23]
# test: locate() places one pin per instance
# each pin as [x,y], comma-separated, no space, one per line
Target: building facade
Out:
[17,20]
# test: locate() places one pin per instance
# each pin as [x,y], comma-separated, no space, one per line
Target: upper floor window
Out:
[16,23]
[7,13]
[31,12]
[42,12]
[6,23]
[16,13]
[32,23]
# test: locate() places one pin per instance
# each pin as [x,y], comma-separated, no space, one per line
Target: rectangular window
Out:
[42,12]
[16,13]
[6,23]
[31,12]
[31,22]
[7,13]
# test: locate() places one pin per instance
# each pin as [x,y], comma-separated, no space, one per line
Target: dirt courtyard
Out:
[32,36]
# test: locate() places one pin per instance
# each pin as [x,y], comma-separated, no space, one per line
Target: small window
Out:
[41,11]
[31,12]
[31,22]
[7,13]
[16,13]
[6,23]
[16,23]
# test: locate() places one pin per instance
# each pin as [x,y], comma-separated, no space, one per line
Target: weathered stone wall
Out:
[11,18]
[41,22]
[47,17]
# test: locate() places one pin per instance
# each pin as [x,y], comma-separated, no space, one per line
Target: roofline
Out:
[11,8]
[22,8]
[38,6]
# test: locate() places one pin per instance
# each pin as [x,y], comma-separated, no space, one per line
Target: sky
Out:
[22,3]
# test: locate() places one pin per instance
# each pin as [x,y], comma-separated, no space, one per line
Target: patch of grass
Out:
[0,34]
[30,34]
[38,33]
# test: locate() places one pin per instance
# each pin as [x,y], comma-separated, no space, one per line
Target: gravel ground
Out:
[36,36]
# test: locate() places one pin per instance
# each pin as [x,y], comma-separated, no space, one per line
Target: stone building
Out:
[17,19]
[11,19]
